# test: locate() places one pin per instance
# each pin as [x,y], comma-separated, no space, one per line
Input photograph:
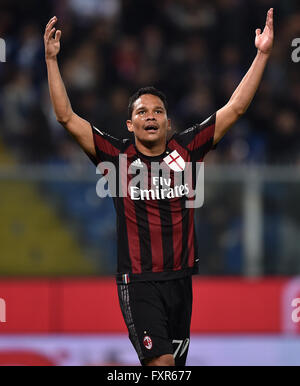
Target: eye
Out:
[141,112]
[158,111]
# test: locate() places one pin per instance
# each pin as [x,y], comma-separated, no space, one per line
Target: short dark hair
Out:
[142,91]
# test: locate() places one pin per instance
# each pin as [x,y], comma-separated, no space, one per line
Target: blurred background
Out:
[58,238]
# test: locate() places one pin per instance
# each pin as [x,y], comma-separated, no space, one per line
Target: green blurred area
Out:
[33,239]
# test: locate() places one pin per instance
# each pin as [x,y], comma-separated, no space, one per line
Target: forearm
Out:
[58,94]
[244,93]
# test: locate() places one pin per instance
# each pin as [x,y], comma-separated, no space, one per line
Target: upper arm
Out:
[81,130]
[225,118]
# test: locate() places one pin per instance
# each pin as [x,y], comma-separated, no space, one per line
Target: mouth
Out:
[151,128]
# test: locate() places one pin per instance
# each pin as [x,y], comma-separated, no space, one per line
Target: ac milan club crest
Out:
[147,342]
[175,161]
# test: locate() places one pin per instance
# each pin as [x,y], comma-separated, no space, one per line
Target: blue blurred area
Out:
[90,217]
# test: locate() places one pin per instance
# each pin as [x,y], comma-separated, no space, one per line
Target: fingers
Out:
[51,33]
[49,30]
[269,21]
[51,23]
[52,18]
[269,24]
[57,35]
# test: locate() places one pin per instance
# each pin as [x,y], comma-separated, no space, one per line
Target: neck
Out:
[152,149]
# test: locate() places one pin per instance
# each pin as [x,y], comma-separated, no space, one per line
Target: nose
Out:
[150,117]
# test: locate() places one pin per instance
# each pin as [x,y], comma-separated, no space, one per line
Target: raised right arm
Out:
[78,127]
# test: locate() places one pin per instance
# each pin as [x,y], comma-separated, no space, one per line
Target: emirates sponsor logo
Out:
[159,190]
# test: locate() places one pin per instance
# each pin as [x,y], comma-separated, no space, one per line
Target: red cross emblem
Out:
[175,161]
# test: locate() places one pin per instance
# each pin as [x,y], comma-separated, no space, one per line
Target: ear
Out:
[169,124]
[129,125]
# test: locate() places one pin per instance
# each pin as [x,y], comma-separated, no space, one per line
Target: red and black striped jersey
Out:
[155,228]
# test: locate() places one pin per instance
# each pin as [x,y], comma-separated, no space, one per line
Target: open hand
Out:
[264,40]
[51,40]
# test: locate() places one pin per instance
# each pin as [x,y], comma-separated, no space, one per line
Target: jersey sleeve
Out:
[107,147]
[199,139]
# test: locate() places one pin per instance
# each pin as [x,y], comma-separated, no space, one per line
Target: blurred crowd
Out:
[195,51]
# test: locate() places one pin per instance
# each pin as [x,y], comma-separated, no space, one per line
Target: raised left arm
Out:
[244,93]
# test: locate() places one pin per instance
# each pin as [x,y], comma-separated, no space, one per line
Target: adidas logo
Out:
[137,163]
